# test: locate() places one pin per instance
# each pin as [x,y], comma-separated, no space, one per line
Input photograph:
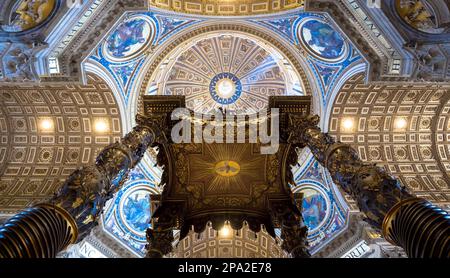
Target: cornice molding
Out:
[227,8]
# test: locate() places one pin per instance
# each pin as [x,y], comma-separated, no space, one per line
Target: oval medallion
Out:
[227,168]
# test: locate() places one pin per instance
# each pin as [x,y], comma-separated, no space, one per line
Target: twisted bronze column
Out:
[294,234]
[69,216]
[422,229]
[160,236]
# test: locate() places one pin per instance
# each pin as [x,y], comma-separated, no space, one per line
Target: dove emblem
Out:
[227,168]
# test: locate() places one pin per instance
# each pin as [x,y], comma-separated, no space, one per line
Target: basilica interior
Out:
[86,92]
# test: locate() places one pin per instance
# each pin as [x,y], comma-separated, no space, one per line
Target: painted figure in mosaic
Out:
[323,39]
[137,211]
[128,34]
[417,15]
[314,208]
[30,13]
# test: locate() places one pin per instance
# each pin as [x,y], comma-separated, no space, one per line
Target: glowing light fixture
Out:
[46,124]
[225,88]
[400,123]
[101,126]
[226,231]
[348,123]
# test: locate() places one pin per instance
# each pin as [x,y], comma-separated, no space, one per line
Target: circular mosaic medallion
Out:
[225,88]
[419,15]
[314,208]
[135,210]
[27,15]
[321,40]
[130,38]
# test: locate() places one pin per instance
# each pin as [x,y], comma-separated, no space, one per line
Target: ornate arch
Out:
[289,51]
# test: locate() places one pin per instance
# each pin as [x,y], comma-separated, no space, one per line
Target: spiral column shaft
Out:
[421,228]
[38,232]
[69,216]
[416,225]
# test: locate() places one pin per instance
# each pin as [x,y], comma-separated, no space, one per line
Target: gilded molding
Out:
[227,8]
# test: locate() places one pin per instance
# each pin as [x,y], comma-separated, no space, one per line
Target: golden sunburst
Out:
[227,168]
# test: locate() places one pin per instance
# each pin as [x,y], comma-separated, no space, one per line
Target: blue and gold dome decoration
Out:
[130,38]
[225,88]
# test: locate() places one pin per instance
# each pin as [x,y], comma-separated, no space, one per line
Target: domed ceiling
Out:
[229,71]
[234,66]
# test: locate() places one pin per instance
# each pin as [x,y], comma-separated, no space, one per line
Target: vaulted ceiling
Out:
[49,131]
[402,128]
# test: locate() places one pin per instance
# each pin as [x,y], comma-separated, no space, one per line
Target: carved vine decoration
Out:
[375,191]
[86,191]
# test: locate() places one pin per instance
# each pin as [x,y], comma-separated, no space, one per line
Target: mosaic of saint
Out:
[129,38]
[314,208]
[136,211]
[322,40]
[29,14]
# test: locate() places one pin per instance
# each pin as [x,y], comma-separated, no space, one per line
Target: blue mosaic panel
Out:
[328,54]
[314,208]
[128,215]
[130,38]
[135,211]
[31,16]
[171,25]
[234,84]
[322,39]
